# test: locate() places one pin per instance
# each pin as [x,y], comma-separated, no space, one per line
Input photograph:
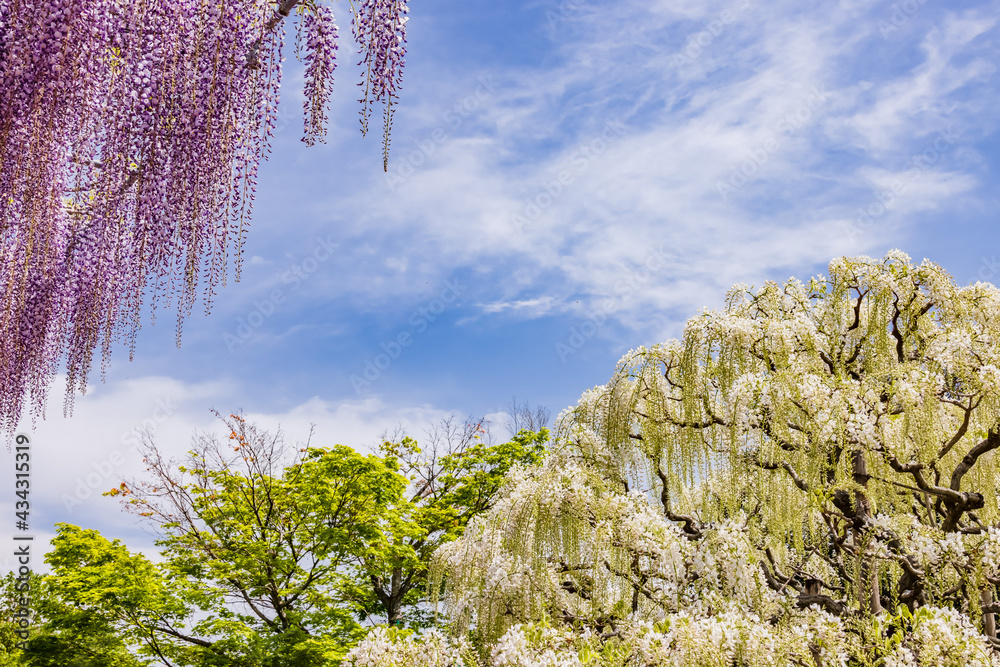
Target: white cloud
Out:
[770,84]
[75,460]
[920,101]
[357,423]
[529,307]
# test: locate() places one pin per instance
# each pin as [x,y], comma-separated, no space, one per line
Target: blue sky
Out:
[568,180]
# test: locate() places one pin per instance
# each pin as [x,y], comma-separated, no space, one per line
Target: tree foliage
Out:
[454,477]
[271,556]
[257,541]
[808,477]
[131,134]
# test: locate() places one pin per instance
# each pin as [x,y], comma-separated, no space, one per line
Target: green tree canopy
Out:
[258,540]
[272,556]
[454,478]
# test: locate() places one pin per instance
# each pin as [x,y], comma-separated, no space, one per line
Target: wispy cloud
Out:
[75,460]
[524,306]
[773,76]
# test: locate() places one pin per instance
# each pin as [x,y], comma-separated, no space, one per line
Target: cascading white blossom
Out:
[385,648]
[728,638]
[808,477]
[941,637]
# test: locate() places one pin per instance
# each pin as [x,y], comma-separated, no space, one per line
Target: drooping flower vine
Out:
[320,60]
[380,29]
[131,134]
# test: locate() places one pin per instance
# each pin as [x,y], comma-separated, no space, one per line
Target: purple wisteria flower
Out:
[130,140]
[380,29]
[320,60]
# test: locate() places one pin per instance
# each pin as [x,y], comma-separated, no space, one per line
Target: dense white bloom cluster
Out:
[540,646]
[942,638]
[383,648]
[726,568]
[682,640]
[991,552]
[734,637]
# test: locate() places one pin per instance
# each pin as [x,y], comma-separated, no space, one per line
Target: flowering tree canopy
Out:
[130,139]
[808,477]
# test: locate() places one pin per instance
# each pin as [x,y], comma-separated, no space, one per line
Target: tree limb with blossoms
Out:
[808,477]
[131,136]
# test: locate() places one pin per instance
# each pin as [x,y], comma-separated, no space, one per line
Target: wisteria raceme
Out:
[320,60]
[380,29]
[131,134]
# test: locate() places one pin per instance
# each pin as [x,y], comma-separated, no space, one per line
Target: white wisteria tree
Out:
[808,477]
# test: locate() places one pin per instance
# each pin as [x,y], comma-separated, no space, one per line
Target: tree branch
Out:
[991,442]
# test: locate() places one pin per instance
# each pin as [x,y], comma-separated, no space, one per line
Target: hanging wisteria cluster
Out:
[380,29]
[131,134]
[320,60]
